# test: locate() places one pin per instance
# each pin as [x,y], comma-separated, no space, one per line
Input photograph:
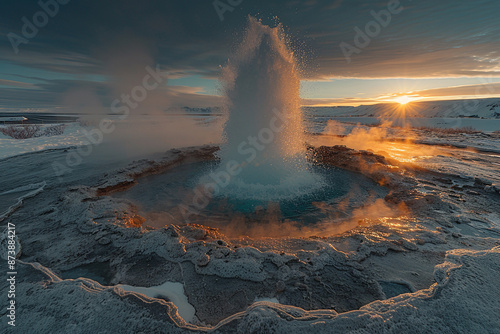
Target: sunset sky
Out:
[90,51]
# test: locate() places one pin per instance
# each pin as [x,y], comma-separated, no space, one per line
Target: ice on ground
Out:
[31,186]
[173,291]
[463,300]
[13,119]
[35,190]
[74,135]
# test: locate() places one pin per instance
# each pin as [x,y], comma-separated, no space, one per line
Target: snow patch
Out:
[73,136]
[171,290]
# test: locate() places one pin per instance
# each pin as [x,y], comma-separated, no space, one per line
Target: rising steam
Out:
[264,131]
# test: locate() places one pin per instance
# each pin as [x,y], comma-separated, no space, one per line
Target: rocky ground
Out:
[432,268]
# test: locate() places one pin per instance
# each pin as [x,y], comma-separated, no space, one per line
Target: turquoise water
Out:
[340,192]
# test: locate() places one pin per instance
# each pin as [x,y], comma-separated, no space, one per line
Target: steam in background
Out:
[392,143]
[145,135]
[151,126]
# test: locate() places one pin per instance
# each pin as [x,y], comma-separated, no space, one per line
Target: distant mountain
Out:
[480,108]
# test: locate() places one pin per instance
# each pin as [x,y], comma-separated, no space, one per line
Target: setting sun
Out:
[403,99]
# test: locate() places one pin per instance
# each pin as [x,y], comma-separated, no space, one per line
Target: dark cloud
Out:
[78,96]
[426,39]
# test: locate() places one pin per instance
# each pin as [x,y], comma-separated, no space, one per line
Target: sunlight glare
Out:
[404,99]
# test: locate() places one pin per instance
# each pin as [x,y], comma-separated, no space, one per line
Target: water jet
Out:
[264,156]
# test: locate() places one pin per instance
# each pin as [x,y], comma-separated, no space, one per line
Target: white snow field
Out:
[73,136]
[477,108]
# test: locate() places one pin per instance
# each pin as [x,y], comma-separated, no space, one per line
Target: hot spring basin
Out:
[170,198]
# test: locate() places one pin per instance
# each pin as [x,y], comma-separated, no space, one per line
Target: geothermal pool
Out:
[160,198]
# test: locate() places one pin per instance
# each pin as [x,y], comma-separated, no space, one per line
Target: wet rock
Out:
[221,253]
[460,219]
[146,270]
[203,260]
[301,286]
[442,229]
[472,192]
[199,232]
[216,298]
[495,189]
[445,223]
[280,286]
[170,230]
[443,180]
[481,182]
[409,245]
[104,241]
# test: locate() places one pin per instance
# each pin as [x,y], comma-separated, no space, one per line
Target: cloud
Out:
[423,40]
[483,90]
[83,96]
[12,83]
[95,38]
[469,90]
[337,102]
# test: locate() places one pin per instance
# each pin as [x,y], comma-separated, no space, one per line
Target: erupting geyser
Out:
[265,149]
